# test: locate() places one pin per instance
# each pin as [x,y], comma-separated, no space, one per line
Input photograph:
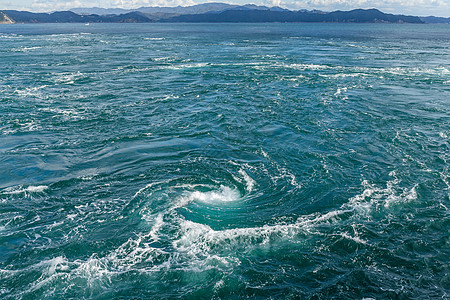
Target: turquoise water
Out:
[201,161]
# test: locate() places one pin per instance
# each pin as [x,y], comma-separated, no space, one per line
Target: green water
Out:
[224,161]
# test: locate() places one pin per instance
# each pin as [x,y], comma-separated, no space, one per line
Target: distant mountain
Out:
[257,16]
[100,11]
[178,10]
[182,10]
[195,9]
[256,7]
[237,14]
[435,20]
[249,7]
[71,17]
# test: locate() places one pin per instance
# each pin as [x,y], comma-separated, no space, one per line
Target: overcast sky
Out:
[411,7]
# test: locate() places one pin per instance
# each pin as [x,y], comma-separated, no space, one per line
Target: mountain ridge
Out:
[435,20]
[258,16]
[193,9]
[210,13]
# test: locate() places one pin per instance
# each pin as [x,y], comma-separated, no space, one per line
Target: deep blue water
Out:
[224,161]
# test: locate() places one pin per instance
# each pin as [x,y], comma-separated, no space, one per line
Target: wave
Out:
[69,78]
[25,49]
[65,113]
[24,190]
[154,38]
[186,66]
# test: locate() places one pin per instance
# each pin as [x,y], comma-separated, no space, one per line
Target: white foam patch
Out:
[49,268]
[189,193]
[224,194]
[30,91]
[159,222]
[249,182]
[10,36]
[60,269]
[344,75]
[374,197]
[165,58]
[199,239]
[24,49]
[59,263]
[67,114]
[136,251]
[339,91]
[186,66]
[94,271]
[303,67]
[356,239]
[441,71]
[68,78]
[93,268]
[20,126]
[26,190]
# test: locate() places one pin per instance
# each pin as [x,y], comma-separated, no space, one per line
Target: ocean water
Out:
[224,161]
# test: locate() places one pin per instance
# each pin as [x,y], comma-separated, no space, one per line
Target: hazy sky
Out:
[413,7]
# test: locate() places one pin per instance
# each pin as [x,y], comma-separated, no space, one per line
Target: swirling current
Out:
[224,161]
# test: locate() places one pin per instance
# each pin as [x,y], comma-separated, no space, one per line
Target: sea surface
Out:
[224,161]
